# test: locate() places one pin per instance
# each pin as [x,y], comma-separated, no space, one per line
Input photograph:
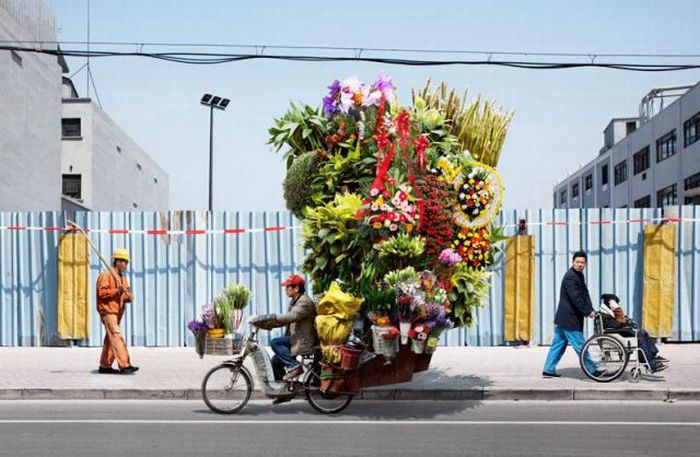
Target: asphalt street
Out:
[401,428]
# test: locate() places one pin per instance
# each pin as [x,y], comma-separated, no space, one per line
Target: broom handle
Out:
[102,259]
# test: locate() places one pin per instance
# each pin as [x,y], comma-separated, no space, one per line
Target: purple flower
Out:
[449,257]
[329,106]
[209,316]
[384,83]
[197,326]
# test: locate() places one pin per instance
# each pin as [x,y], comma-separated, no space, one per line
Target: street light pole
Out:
[211,158]
[218,103]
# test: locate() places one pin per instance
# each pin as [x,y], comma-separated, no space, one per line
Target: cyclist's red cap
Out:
[294,280]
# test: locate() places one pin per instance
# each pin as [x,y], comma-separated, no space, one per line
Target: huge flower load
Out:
[397,206]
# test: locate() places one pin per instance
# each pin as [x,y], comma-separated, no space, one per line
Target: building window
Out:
[588,182]
[71,186]
[70,127]
[16,58]
[666,146]
[621,172]
[692,182]
[630,127]
[666,196]
[574,190]
[562,198]
[604,175]
[690,130]
[641,160]
[644,202]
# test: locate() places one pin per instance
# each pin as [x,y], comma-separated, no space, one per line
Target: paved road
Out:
[367,428]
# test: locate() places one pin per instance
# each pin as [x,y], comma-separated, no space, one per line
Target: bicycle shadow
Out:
[430,394]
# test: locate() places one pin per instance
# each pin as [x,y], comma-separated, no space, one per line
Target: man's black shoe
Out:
[129,370]
[551,375]
[109,370]
[280,400]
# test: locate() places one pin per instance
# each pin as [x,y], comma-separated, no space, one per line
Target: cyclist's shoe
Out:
[293,373]
[280,400]
[129,370]
[108,370]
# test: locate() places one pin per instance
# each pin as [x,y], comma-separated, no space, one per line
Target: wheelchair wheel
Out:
[635,374]
[608,354]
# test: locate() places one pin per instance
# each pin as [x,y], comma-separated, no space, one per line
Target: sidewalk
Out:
[466,373]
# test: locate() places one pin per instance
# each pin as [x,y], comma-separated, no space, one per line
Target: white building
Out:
[101,166]
[648,161]
[30,107]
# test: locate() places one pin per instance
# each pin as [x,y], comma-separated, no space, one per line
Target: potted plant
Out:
[213,321]
[238,296]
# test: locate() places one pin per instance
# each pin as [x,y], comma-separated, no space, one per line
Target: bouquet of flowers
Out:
[199,329]
[473,246]
[418,334]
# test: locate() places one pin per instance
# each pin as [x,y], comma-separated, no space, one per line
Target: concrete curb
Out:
[477,393]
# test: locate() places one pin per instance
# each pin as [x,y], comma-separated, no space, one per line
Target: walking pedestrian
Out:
[113,292]
[574,305]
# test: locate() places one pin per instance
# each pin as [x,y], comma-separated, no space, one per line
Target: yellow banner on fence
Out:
[659,279]
[520,288]
[73,277]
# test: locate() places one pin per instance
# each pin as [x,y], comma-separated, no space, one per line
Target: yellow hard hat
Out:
[122,254]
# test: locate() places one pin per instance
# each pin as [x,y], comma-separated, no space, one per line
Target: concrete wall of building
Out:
[672,170]
[30,110]
[117,173]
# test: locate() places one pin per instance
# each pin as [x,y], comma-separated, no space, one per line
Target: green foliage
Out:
[302,129]
[379,301]
[470,289]
[342,173]
[401,250]
[238,295]
[407,274]
[297,184]
[336,250]
[232,297]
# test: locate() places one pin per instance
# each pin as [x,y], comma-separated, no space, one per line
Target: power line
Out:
[207,58]
[261,48]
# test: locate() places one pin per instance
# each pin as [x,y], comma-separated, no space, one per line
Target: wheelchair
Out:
[612,350]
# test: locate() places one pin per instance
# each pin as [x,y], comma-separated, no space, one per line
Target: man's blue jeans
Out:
[282,347]
[559,342]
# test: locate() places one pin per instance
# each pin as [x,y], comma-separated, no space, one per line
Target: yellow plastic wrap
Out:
[659,279]
[73,275]
[520,288]
[335,315]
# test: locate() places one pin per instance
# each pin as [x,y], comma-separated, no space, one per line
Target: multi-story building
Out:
[30,107]
[58,150]
[102,167]
[648,161]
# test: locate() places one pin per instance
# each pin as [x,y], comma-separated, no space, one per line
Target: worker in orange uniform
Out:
[113,292]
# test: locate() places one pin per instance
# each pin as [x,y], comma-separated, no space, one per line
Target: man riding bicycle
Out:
[300,334]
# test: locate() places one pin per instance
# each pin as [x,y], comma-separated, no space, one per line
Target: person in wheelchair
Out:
[614,318]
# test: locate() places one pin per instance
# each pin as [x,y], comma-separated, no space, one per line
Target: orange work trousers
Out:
[114,346]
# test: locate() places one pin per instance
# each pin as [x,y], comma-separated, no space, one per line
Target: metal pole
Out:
[211,158]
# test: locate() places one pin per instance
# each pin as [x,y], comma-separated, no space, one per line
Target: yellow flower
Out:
[377,225]
[380,201]
[409,228]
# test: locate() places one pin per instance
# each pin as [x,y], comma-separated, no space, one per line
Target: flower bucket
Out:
[404,327]
[199,343]
[431,345]
[349,358]
[216,333]
[382,346]
[417,346]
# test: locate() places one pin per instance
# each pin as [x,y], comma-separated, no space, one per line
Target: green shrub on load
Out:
[470,289]
[297,184]
[401,251]
[336,249]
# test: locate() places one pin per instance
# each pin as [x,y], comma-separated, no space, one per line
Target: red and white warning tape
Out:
[228,231]
[238,231]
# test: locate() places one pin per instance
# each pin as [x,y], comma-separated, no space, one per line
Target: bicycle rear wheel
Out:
[326,403]
[226,388]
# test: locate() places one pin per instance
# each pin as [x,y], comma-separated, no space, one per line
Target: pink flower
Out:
[393,227]
[374,191]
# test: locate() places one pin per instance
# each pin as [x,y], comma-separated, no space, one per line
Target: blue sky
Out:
[559,114]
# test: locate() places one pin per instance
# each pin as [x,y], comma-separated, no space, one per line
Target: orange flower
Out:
[409,228]
[377,225]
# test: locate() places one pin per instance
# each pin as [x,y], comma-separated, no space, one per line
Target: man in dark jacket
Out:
[574,305]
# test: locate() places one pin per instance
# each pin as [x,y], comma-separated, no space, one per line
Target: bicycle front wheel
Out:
[226,388]
[323,402]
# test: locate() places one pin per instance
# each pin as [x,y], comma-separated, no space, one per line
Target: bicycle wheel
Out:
[226,388]
[325,403]
[608,354]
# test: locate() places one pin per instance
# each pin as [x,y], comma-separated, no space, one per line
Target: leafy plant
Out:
[342,173]
[379,302]
[297,184]
[470,289]
[401,250]
[238,295]
[330,233]
[302,129]
[406,275]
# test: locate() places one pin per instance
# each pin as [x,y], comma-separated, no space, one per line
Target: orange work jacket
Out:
[109,300]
